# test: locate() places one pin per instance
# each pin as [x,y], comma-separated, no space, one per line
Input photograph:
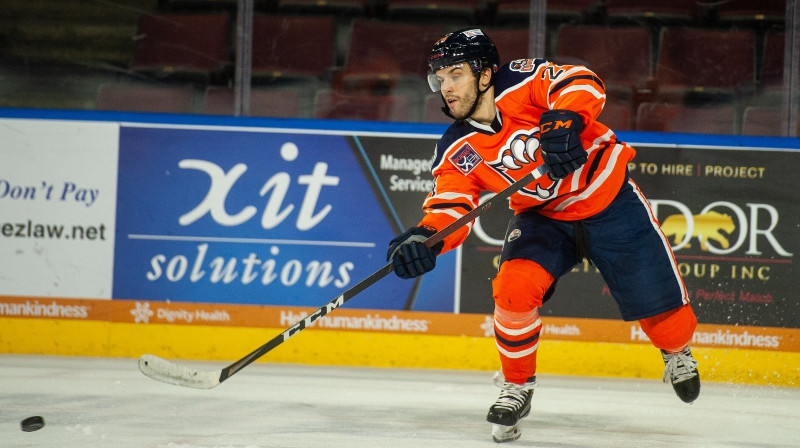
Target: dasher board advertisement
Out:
[180,209]
[255,217]
[732,217]
[58,182]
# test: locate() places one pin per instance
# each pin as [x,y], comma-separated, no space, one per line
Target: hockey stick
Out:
[169,372]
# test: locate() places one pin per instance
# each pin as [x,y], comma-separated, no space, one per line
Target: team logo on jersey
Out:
[519,152]
[516,233]
[522,65]
[466,159]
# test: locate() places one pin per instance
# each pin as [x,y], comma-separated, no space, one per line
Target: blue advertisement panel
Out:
[244,216]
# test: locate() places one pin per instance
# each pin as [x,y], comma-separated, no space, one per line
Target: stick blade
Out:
[169,372]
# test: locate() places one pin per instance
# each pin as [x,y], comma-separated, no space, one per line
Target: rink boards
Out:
[198,237]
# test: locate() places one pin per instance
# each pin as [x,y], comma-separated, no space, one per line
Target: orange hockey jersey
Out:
[471,158]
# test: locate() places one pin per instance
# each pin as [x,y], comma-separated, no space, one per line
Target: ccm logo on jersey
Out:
[466,159]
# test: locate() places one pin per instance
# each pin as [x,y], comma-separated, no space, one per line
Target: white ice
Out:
[91,402]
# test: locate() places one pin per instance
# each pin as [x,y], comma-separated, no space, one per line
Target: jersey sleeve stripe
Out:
[447,211]
[452,196]
[598,148]
[571,79]
[592,168]
[443,205]
[596,183]
[596,93]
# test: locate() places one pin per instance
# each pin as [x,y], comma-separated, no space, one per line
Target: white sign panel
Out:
[58,182]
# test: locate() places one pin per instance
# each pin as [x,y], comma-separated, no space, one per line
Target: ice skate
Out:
[513,404]
[681,371]
[502,433]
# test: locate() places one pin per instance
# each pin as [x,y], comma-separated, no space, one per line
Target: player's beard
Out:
[464,105]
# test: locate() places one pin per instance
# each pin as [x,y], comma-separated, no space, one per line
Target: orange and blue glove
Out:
[559,135]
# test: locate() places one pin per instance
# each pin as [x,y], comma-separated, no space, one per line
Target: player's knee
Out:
[671,330]
[519,323]
[520,285]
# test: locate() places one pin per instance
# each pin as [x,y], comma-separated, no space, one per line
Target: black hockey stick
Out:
[173,373]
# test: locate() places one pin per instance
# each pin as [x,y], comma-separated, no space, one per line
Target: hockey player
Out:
[509,120]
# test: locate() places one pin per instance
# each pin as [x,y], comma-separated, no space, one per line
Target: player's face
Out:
[458,89]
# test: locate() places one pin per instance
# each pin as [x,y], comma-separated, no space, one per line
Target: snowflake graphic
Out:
[488,326]
[142,313]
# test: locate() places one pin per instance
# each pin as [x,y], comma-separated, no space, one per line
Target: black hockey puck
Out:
[31,424]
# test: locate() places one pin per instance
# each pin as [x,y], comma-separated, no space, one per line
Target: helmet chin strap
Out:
[480,93]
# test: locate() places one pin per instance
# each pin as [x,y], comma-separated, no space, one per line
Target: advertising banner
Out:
[249,226]
[732,217]
[58,182]
[254,217]
[145,313]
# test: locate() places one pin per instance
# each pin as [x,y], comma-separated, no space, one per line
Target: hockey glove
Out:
[409,255]
[559,135]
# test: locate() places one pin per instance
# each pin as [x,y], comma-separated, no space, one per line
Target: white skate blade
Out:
[502,433]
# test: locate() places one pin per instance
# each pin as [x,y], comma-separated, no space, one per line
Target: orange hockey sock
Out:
[517,338]
[671,330]
[518,290]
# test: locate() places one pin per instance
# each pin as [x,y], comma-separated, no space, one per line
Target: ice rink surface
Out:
[90,402]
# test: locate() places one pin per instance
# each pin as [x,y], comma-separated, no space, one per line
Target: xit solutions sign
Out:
[190,220]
